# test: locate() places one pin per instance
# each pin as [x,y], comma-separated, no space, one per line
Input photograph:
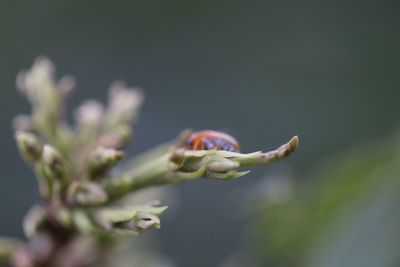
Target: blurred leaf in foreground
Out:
[345,214]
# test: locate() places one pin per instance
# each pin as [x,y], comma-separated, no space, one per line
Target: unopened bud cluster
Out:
[82,200]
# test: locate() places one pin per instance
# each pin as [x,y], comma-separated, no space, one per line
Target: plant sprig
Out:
[74,166]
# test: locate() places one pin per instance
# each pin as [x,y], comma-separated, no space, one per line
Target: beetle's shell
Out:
[209,139]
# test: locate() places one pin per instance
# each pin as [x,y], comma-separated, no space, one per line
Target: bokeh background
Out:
[260,70]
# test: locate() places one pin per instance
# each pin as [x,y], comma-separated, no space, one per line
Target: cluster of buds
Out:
[81,198]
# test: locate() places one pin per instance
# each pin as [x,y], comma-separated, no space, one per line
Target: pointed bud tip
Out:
[294,142]
[44,63]
[107,155]
[50,154]
[102,159]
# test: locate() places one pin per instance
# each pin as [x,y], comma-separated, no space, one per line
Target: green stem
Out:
[183,165]
[154,172]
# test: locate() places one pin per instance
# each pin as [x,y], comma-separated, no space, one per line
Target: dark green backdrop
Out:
[262,70]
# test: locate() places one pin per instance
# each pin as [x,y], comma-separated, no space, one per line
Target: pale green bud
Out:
[53,163]
[103,159]
[86,193]
[29,146]
[222,165]
[132,220]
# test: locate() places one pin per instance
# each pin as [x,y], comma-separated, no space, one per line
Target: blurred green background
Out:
[260,70]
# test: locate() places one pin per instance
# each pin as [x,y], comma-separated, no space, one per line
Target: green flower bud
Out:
[89,114]
[221,165]
[124,102]
[102,159]
[29,146]
[53,163]
[86,193]
[132,220]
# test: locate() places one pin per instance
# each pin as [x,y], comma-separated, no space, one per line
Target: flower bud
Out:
[177,158]
[53,163]
[147,221]
[86,193]
[222,165]
[124,102]
[38,80]
[89,114]
[103,159]
[130,220]
[29,146]
[117,137]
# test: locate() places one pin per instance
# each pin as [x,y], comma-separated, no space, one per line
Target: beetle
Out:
[210,139]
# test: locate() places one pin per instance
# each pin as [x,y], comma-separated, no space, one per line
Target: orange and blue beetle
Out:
[209,140]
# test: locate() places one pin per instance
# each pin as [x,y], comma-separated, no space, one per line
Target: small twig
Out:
[183,165]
